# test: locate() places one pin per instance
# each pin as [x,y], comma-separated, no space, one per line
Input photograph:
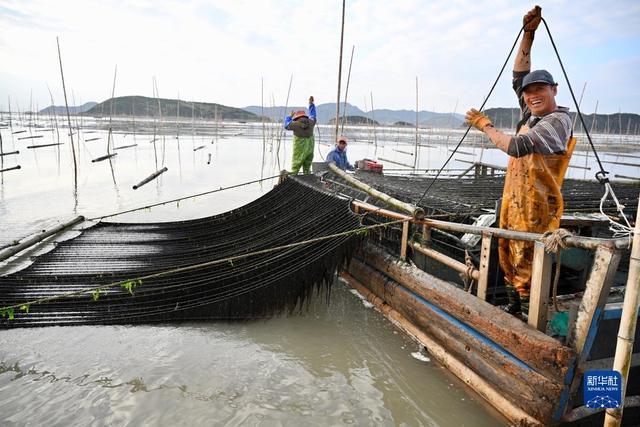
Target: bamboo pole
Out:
[105,157]
[627,329]
[6,253]
[571,241]
[44,145]
[10,169]
[150,178]
[346,92]
[415,211]
[66,104]
[373,123]
[444,259]
[575,118]
[339,73]
[2,153]
[415,159]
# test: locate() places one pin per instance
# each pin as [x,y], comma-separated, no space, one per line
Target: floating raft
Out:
[254,286]
[458,198]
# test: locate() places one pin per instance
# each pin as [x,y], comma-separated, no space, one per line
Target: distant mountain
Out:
[355,120]
[61,109]
[169,108]
[604,123]
[326,112]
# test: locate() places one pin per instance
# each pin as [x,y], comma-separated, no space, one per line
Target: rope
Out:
[554,240]
[554,243]
[192,267]
[184,198]
[469,128]
[618,229]
[468,274]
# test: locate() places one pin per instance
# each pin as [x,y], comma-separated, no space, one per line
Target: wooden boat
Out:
[530,377]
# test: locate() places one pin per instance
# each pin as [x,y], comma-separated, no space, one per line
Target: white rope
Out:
[618,229]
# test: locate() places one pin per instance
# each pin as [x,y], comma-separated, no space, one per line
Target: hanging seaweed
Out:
[270,279]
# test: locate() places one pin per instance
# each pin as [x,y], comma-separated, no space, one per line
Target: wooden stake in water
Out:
[264,140]
[593,123]
[415,151]
[113,91]
[339,74]
[346,92]
[373,123]
[573,125]
[66,104]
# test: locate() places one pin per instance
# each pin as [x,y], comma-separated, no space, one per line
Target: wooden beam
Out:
[404,241]
[483,279]
[605,265]
[493,373]
[583,331]
[540,351]
[540,285]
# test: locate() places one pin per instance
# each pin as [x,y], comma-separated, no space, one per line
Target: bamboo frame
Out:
[30,241]
[571,241]
[628,323]
[415,211]
[449,262]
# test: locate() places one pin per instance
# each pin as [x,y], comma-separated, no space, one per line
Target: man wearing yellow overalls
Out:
[539,155]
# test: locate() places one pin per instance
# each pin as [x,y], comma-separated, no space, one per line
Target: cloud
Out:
[219,51]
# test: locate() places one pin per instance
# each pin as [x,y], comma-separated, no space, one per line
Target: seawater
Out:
[338,363]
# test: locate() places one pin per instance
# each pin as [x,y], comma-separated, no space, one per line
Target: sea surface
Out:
[339,363]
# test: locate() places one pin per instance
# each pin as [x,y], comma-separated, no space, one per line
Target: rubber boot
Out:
[513,307]
[524,304]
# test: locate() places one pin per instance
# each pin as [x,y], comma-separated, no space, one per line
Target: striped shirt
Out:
[548,134]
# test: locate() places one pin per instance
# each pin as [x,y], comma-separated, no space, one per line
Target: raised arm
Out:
[523,58]
[312,109]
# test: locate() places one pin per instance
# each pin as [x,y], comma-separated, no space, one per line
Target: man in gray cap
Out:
[539,155]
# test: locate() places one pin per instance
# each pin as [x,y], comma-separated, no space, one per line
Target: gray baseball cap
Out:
[538,76]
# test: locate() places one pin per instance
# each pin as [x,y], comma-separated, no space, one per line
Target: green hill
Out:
[355,120]
[169,108]
[604,123]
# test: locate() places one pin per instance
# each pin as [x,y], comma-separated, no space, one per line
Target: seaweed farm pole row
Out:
[339,74]
[66,104]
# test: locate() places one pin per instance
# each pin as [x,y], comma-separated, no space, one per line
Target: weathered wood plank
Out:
[528,389]
[543,353]
[540,285]
[485,253]
[469,376]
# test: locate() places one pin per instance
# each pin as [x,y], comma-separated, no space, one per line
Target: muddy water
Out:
[337,363]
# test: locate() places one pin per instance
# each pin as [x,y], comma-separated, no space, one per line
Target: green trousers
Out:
[302,154]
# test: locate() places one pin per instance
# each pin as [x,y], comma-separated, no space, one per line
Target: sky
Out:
[222,51]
